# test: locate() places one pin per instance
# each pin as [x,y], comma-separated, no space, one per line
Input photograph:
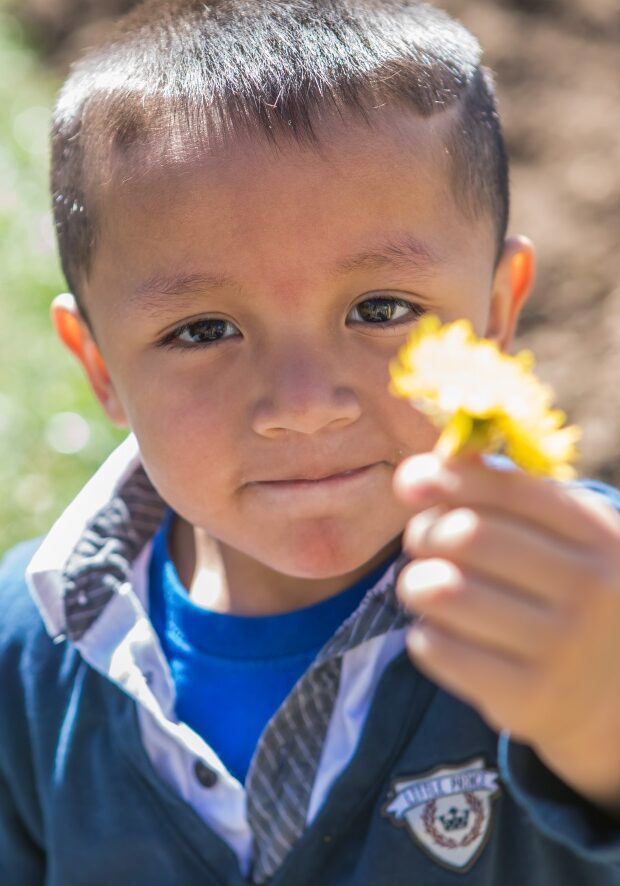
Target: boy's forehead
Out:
[341,141]
[357,179]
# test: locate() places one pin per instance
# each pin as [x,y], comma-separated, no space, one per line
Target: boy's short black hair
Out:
[179,73]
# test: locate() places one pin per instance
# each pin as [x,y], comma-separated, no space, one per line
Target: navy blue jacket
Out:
[81,805]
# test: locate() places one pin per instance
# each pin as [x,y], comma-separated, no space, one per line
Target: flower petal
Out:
[482,398]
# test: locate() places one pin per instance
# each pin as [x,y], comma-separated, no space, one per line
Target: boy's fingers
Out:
[425,480]
[503,549]
[486,679]
[477,610]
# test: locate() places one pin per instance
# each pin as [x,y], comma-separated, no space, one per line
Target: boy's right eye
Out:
[207,330]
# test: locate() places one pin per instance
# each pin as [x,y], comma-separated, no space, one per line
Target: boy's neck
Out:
[225,580]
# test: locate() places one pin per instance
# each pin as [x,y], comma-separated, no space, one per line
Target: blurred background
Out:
[557,65]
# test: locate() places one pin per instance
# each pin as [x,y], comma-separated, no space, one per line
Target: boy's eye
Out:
[384,309]
[201,332]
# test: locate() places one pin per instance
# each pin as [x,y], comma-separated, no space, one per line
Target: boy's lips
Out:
[308,480]
[301,475]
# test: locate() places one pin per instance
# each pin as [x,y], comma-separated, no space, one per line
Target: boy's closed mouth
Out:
[324,478]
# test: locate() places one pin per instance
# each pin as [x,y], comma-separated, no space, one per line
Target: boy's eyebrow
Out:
[404,251]
[178,284]
[157,293]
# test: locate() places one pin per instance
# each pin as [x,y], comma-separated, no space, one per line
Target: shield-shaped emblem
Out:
[447,811]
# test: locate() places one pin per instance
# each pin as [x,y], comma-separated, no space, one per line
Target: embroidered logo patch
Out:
[448,811]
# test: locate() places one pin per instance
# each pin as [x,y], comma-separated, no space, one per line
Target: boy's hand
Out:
[517,580]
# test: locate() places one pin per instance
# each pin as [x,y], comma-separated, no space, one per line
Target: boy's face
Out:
[247,306]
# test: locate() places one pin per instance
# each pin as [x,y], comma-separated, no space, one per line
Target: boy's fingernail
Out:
[420,470]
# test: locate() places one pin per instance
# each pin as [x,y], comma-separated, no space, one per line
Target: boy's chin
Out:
[322,558]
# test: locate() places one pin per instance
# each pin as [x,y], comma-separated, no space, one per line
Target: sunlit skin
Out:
[251,438]
[297,386]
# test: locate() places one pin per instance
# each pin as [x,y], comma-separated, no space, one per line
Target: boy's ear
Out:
[512,286]
[76,336]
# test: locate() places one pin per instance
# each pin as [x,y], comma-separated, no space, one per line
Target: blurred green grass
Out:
[46,451]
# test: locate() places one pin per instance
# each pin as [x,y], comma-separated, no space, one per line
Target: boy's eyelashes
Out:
[381,310]
[378,312]
[203,331]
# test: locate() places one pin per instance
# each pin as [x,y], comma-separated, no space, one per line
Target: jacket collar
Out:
[88,554]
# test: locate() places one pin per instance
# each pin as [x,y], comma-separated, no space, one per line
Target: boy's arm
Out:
[517,581]
[21,860]
[555,809]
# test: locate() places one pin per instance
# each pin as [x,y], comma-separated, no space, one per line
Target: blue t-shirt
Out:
[232,672]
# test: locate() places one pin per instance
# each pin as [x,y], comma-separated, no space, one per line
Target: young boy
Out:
[207,679]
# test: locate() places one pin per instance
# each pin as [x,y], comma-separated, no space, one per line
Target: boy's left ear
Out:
[512,285]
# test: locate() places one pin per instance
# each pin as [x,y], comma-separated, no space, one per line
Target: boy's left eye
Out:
[383,310]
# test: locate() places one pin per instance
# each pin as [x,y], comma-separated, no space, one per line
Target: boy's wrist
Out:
[588,766]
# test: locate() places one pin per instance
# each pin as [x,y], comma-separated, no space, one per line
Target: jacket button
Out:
[206,776]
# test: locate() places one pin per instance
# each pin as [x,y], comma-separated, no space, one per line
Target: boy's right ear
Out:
[74,333]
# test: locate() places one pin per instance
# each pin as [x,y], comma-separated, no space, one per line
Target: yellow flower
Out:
[482,399]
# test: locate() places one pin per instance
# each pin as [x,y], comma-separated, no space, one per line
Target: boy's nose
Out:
[304,399]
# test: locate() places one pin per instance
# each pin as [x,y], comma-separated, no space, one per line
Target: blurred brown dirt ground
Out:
[557,64]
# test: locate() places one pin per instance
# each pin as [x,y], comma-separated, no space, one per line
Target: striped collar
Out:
[82,578]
